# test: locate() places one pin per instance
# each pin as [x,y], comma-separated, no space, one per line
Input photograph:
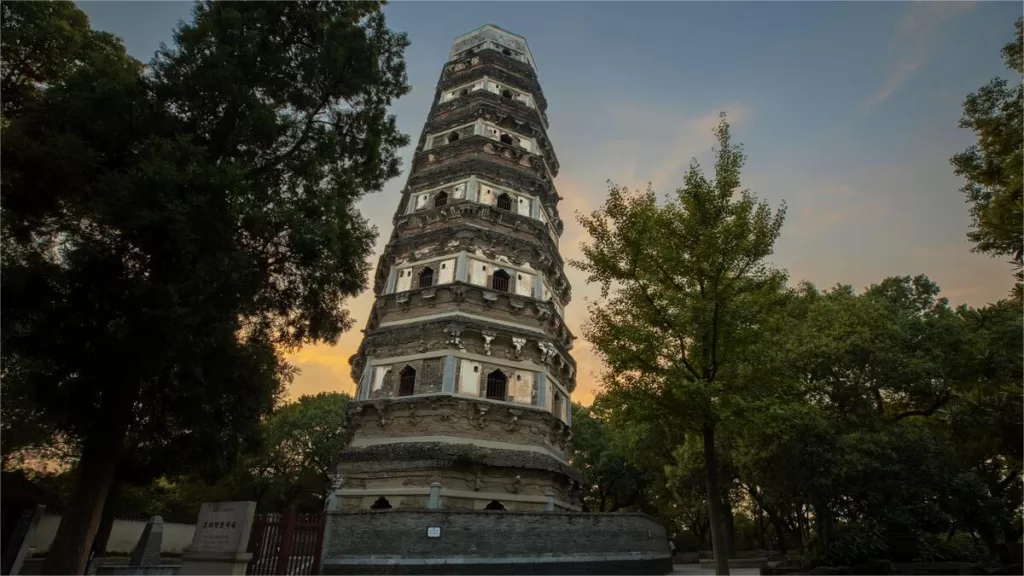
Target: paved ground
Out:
[696,569]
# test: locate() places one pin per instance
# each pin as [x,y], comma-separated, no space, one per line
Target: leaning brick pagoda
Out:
[465,375]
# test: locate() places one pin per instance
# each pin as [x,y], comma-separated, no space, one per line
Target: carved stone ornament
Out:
[478,421]
[513,419]
[547,351]
[518,343]
[516,485]
[488,338]
[459,292]
[454,332]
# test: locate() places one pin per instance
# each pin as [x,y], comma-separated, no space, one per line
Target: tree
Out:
[611,481]
[201,221]
[301,440]
[692,295]
[994,167]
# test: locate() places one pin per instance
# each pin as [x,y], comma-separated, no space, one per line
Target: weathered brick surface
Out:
[548,542]
[438,454]
[492,64]
[462,417]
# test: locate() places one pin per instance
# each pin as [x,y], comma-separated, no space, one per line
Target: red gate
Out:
[286,544]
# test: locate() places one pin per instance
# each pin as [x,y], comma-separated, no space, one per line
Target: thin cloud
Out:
[912,44]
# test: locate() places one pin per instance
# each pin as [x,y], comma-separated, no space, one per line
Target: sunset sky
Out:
[847,111]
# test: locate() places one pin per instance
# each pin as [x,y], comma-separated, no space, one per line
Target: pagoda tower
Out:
[464,373]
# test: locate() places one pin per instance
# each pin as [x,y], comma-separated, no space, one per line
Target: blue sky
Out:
[847,111]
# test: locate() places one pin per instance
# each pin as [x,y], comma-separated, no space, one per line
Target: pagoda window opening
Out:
[407,381]
[381,504]
[497,385]
[464,91]
[505,138]
[505,201]
[494,505]
[452,137]
[441,199]
[556,405]
[500,281]
[506,93]
[426,277]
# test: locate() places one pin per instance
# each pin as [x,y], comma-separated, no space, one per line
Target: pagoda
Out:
[464,375]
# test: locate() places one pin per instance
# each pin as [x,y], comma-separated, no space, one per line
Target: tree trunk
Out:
[780,533]
[730,525]
[715,512]
[823,525]
[69,551]
[99,544]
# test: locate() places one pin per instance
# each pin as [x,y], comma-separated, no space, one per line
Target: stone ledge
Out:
[503,566]
[443,455]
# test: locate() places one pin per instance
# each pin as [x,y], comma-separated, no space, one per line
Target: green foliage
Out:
[690,281]
[200,221]
[855,543]
[687,302]
[994,167]
[300,442]
[849,427]
[611,482]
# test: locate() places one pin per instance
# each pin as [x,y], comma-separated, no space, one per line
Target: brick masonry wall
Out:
[478,542]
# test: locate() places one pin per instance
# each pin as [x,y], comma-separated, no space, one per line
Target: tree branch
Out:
[940,401]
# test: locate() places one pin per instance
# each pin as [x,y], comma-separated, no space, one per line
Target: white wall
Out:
[469,378]
[123,536]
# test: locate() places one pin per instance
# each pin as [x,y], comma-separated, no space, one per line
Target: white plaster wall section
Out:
[503,261]
[446,137]
[124,535]
[523,206]
[469,378]
[456,190]
[524,284]
[497,133]
[490,86]
[463,90]
[379,372]
[478,272]
[488,194]
[446,271]
[459,191]
[404,280]
[523,386]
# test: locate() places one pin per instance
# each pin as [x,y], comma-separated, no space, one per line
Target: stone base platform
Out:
[493,542]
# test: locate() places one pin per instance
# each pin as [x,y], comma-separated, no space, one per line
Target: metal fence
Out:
[286,543]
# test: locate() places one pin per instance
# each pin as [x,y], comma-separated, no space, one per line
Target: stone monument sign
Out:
[221,539]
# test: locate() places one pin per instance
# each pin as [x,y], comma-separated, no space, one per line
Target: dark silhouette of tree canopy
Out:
[994,167]
[168,232]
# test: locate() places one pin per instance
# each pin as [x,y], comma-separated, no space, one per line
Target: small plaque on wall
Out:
[434,532]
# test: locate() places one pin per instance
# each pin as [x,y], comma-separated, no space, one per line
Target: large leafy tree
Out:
[611,481]
[301,440]
[168,232]
[686,296]
[906,432]
[994,167]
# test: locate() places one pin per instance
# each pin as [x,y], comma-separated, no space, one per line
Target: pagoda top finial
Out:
[493,37]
